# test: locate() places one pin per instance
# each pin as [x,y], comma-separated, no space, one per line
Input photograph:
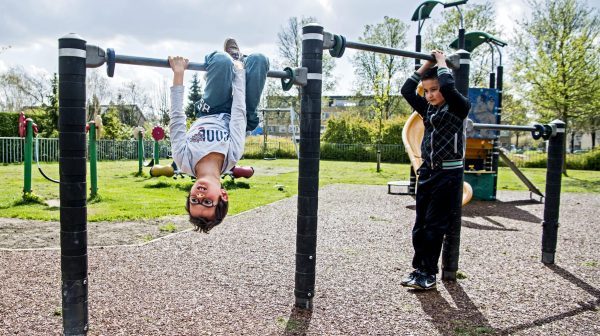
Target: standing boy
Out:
[215,141]
[439,187]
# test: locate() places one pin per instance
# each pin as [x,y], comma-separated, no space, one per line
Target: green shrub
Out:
[9,121]
[348,129]
[9,124]
[392,130]
[345,152]
[585,161]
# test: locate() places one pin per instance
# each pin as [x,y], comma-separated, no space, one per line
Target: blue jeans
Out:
[219,77]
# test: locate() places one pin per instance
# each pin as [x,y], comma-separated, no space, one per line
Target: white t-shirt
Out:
[219,133]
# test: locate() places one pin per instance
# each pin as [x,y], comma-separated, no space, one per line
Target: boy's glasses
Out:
[205,202]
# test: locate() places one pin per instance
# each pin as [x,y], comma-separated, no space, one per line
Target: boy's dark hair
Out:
[431,73]
[203,224]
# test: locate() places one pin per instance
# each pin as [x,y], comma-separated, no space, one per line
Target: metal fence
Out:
[11,151]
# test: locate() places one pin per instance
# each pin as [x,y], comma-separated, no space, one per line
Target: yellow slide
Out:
[412,136]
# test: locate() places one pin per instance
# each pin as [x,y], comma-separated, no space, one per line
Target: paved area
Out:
[239,280]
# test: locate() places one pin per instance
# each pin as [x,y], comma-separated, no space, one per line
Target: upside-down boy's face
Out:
[204,196]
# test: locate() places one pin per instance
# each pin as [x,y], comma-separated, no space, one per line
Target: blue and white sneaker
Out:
[409,280]
[424,282]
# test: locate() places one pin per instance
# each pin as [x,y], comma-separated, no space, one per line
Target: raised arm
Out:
[177,124]
[409,88]
[457,102]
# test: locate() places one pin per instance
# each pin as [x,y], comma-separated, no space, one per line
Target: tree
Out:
[476,17]
[97,85]
[193,97]
[380,74]
[514,112]
[557,60]
[289,45]
[49,121]
[22,89]
[347,129]
[162,103]
[113,127]
[129,99]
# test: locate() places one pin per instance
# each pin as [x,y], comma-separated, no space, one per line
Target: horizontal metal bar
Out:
[504,127]
[164,63]
[390,51]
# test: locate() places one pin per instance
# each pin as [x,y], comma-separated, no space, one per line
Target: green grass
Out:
[123,196]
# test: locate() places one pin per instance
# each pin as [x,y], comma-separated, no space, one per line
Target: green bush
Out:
[348,129]
[585,161]
[392,130]
[9,121]
[9,124]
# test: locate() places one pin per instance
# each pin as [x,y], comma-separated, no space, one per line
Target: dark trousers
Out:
[439,198]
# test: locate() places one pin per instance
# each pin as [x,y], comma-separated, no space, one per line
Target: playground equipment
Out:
[27,128]
[96,57]
[482,152]
[138,134]
[158,133]
[293,123]
[412,136]
[173,171]
[167,171]
[314,41]
[74,56]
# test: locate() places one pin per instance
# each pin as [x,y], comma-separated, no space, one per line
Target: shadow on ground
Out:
[466,319]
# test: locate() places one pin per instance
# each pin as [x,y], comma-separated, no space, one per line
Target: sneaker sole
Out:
[415,286]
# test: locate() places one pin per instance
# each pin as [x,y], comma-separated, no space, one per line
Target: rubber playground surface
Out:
[239,279]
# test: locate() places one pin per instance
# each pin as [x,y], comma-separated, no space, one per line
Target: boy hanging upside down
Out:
[215,141]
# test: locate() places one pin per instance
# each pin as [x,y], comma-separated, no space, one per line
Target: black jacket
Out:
[444,132]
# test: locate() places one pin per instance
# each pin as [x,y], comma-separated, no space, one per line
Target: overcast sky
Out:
[191,28]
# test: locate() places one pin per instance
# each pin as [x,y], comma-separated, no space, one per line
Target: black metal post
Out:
[552,203]
[72,166]
[308,170]
[492,80]
[496,142]
[450,251]
[412,186]
[418,49]
[461,38]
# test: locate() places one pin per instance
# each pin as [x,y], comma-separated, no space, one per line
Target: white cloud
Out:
[191,28]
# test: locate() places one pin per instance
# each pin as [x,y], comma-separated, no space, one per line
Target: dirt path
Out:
[31,234]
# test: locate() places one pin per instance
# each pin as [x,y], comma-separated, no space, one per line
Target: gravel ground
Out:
[239,280]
